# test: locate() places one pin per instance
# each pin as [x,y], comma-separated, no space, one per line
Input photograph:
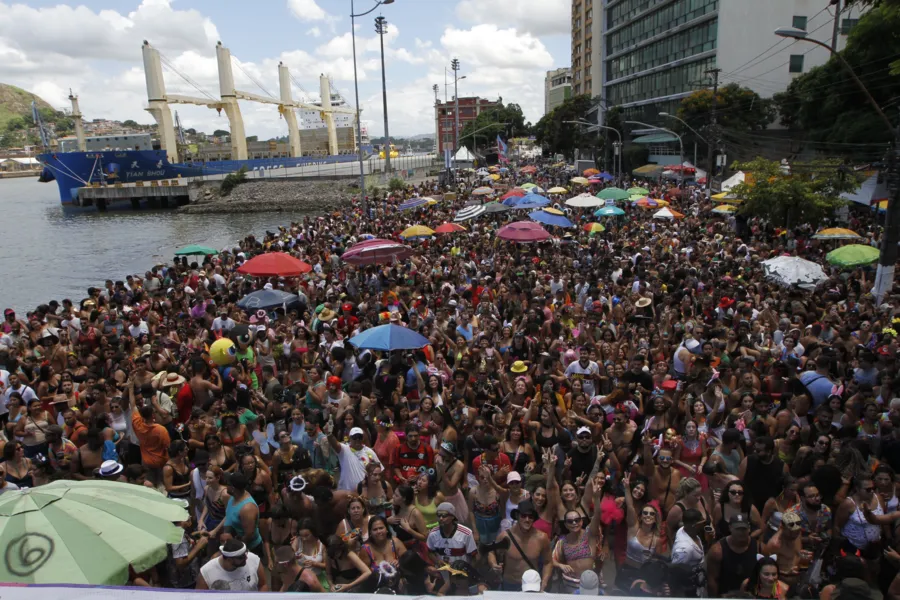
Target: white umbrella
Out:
[585,201]
[469,212]
[793,270]
[663,213]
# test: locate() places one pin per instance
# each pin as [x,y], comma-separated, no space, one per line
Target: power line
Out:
[251,78]
[168,63]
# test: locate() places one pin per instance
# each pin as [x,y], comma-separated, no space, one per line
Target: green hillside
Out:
[16,102]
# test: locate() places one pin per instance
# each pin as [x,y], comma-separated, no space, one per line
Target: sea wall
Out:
[272,196]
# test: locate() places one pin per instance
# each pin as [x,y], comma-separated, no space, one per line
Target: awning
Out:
[655,138]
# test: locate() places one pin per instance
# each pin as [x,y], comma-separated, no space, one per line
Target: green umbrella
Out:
[634,191]
[613,193]
[853,255]
[195,249]
[85,532]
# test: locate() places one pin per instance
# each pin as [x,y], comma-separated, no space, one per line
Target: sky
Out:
[93,47]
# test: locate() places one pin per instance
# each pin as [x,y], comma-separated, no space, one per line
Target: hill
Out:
[16,102]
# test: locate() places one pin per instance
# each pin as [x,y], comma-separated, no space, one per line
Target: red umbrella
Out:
[515,192]
[523,231]
[274,264]
[376,251]
[449,228]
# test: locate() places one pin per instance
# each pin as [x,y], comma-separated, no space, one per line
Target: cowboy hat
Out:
[642,303]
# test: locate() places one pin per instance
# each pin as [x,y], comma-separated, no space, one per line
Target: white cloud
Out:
[315,32]
[485,45]
[537,17]
[308,10]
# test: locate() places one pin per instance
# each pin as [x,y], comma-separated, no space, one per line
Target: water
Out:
[47,253]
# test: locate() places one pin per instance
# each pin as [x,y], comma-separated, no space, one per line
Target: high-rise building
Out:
[445,119]
[654,53]
[557,88]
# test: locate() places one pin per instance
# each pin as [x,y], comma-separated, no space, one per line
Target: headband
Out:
[297,484]
[236,553]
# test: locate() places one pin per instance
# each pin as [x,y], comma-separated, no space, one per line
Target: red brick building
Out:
[445,120]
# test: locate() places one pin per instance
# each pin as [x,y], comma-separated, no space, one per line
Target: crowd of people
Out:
[632,412]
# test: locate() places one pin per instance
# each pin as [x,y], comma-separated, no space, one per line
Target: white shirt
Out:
[353,465]
[27,396]
[220,324]
[576,371]
[459,546]
[686,551]
[242,579]
[137,330]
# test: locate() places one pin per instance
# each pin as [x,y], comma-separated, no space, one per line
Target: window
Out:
[796,65]
[799,23]
[847,25]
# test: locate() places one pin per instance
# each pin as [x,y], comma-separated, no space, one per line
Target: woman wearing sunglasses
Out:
[733,501]
[576,551]
[644,532]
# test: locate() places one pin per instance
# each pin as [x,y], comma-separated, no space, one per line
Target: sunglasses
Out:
[573,521]
[442,515]
[735,492]
[478,427]
[648,513]
[528,516]
[868,489]
[356,437]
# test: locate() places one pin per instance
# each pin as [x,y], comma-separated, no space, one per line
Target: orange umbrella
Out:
[589,172]
[449,228]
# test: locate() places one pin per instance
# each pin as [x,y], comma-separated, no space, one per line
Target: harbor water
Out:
[47,253]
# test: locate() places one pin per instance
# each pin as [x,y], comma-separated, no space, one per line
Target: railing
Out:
[402,166]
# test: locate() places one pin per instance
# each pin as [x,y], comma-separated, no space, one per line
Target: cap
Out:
[356,431]
[447,508]
[791,520]
[583,429]
[513,476]
[531,581]
[590,584]
[448,447]
[739,520]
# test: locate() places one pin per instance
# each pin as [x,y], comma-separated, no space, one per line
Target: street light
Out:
[454,64]
[884,277]
[362,171]
[618,148]
[680,144]
[381,29]
[683,122]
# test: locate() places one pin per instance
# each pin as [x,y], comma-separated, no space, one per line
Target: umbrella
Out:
[528,169]
[268,299]
[417,231]
[513,193]
[585,201]
[647,203]
[638,191]
[389,337]
[523,231]
[376,251]
[550,217]
[482,191]
[493,168]
[274,264]
[449,228]
[504,170]
[196,250]
[528,186]
[557,190]
[531,201]
[495,207]
[589,172]
[853,255]
[85,532]
[488,178]
[594,228]
[579,180]
[536,190]
[609,211]
[667,213]
[836,233]
[727,197]
[613,193]
[469,212]
[413,203]
[605,176]
[793,270]
[494,177]
[724,209]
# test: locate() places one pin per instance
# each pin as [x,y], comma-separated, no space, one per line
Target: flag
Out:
[502,150]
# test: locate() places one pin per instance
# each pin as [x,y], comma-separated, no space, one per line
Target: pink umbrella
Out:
[376,251]
[523,231]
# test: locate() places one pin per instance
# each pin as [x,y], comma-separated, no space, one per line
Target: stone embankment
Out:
[321,195]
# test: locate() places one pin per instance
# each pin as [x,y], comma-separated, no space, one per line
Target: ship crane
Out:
[159,102]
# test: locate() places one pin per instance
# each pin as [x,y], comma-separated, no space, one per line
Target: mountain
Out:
[421,136]
[16,102]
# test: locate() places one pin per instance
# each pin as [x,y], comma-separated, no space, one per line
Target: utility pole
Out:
[381,29]
[437,120]
[713,131]
[454,64]
[837,25]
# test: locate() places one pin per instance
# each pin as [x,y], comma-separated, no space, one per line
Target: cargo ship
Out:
[136,165]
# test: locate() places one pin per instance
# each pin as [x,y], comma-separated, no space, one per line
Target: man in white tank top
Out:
[236,569]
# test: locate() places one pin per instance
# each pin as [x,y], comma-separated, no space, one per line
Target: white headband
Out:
[234,554]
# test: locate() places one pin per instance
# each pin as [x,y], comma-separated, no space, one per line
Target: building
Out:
[587,36]
[313,142]
[125,141]
[557,88]
[445,118]
[653,53]
[18,164]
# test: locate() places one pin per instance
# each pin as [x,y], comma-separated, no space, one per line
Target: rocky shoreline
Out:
[323,195]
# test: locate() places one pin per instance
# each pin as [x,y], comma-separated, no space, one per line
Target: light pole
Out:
[680,144]
[618,153]
[683,122]
[887,261]
[381,29]
[437,120]
[454,64]
[362,169]
[475,139]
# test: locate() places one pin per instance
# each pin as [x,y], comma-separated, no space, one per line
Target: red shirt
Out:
[495,465]
[409,462]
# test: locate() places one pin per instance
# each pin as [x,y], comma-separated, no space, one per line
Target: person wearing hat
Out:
[527,549]
[235,569]
[353,457]
[786,545]
[450,541]
[731,560]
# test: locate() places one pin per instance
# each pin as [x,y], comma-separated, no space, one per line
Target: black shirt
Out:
[763,481]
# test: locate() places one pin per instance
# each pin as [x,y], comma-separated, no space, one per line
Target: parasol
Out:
[274,264]
[794,271]
[853,255]
[523,231]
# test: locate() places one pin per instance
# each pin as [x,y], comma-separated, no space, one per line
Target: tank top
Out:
[860,532]
[578,550]
[233,519]
[180,479]
[215,511]
[429,514]
[637,552]
[736,567]
[678,364]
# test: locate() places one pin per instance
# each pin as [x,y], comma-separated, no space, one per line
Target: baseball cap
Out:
[356,431]
[589,585]
[513,476]
[447,508]
[583,430]
[739,520]
[531,581]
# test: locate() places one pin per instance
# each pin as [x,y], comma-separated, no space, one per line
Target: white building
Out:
[312,119]
[557,88]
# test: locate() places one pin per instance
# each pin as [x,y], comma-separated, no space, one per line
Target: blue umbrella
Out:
[531,201]
[414,203]
[609,211]
[550,219]
[389,337]
[606,176]
[267,299]
[504,170]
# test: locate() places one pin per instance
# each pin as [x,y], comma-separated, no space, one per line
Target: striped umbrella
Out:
[482,191]
[413,203]
[469,212]
[594,228]
[836,233]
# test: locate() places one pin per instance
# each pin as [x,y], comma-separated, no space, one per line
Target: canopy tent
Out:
[734,180]
[869,193]
[463,154]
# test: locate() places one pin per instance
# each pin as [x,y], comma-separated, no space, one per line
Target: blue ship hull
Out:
[73,170]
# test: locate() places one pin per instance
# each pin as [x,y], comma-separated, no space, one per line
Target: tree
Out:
[557,135]
[221,133]
[16,124]
[131,124]
[797,194]
[507,121]
[827,104]
[739,109]
[252,138]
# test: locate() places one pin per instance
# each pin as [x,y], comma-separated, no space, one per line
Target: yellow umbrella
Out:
[553,211]
[495,177]
[728,198]
[417,231]
[724,209]
[836,233]
[430,201]
[557,190]
[493,169]
[579,180]
[594,228]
